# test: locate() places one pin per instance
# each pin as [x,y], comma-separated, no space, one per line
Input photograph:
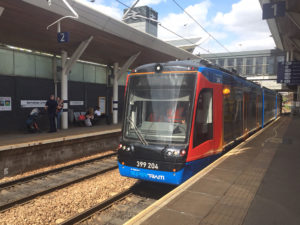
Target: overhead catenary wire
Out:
[189,15]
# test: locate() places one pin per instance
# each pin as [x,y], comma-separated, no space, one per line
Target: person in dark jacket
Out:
[50,107]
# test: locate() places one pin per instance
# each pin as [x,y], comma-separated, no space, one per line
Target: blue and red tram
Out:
[179,116]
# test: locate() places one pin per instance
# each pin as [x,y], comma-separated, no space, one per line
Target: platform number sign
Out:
[63,37]
[273,10]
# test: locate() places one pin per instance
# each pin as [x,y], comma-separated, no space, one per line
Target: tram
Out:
[179,116]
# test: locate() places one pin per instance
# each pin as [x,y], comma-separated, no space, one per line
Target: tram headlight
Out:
[175,152]
[172,152]
[158,68]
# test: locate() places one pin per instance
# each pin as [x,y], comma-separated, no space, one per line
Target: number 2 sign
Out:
[63,37]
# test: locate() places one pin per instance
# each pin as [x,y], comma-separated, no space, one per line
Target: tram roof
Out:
[23,24]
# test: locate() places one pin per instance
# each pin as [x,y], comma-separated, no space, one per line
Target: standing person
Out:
[60,105]
[50,107]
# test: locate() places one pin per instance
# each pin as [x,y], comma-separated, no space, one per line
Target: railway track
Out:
[121,207]
[27,188]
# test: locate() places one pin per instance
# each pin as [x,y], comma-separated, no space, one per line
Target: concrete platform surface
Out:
[258,182]
[10,141]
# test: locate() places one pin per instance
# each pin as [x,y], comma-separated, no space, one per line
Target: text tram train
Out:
[180,115]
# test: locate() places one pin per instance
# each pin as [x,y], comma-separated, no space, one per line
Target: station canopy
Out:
[286,29]
[23,24]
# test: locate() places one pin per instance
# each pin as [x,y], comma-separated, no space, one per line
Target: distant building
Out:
[259,66]
[188,44]
[137,18]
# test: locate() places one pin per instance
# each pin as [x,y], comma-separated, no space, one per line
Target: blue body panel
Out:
[176,178]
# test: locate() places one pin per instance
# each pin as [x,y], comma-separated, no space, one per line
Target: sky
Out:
[236,24]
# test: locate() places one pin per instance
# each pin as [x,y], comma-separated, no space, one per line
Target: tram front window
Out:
[159,107]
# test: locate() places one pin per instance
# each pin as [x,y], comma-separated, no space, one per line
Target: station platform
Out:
[258,182]
[20,153]
[10,141]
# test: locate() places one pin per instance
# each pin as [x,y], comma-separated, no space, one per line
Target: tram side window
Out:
[203,127]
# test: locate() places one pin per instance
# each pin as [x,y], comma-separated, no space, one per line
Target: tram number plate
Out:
[147,165]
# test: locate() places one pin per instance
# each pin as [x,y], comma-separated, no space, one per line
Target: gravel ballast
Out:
[55,207]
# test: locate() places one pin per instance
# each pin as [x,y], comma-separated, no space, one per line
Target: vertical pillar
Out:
[54,65]
[115,94]
[64,90]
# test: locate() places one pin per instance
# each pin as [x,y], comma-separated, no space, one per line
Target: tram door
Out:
[245,112]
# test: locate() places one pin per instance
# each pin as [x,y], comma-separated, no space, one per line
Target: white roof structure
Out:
[23,24]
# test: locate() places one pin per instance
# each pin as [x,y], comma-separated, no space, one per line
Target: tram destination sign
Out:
[288,73]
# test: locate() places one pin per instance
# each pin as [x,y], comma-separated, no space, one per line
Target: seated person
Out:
[97,112]
[89,115]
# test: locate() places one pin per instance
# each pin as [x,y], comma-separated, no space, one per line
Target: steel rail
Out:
[42,174]
[99,207]
[47,190]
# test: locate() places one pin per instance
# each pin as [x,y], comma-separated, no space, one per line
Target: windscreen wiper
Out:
[138,132]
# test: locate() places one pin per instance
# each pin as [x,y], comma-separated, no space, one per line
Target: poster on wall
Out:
[5,103]
[33,103]
[102,104]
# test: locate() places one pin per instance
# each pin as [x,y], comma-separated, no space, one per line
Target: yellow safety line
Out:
[157,205]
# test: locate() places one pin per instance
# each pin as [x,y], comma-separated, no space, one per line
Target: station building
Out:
[259,66]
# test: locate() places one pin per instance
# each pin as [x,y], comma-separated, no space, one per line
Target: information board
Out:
[77,103]
[288,72]
[5,103]
[102,104]
[33,103]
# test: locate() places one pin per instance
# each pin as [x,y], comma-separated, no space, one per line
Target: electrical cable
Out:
[201,26]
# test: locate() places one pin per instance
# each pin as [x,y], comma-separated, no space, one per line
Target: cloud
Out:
[245,18]
[149,2]
[181,24]
[244,22]
[112,11]
[240,29]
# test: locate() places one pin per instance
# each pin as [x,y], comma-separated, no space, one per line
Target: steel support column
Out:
[115,94]
[64,90]
[66,67]
[117,74]
[54,65]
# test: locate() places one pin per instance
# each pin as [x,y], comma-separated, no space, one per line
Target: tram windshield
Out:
[159,107]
